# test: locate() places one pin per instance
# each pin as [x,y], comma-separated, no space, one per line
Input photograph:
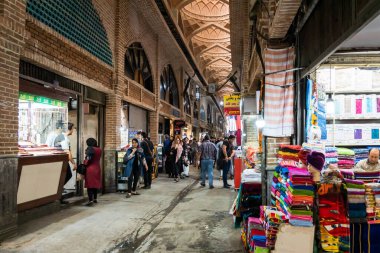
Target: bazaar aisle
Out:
[171,217]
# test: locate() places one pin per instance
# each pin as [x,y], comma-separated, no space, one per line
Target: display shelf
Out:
[121,181]
[354,92]
[352,118]
[346,145]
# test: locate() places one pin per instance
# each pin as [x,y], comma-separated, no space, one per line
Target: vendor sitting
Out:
[370,164]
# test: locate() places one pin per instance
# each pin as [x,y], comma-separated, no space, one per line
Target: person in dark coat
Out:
[93,180]
[134,160]
[148,149]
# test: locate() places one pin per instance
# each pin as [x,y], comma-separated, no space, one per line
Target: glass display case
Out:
[41,124]
[121,180]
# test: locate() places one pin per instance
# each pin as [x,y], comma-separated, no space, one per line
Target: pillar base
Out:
[8,200]
[109,171]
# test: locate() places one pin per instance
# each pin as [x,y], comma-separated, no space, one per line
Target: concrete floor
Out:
[171,217]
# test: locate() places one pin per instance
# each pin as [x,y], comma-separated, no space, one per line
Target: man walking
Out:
[148,148]
[208,158]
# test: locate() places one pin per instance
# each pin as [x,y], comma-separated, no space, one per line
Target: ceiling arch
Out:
[216,47]
[209,26]
[206,26]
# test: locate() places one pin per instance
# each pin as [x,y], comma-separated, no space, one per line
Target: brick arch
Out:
[168,84]
[137,65]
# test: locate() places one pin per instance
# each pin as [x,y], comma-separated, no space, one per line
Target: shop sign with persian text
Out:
[231,104]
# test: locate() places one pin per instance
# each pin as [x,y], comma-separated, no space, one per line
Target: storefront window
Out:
[40,119]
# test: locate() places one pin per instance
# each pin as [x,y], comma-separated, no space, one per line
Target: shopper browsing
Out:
[208,157]
[370,164]
[134,160]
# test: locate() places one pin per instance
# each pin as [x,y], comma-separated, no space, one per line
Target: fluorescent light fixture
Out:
[330,106]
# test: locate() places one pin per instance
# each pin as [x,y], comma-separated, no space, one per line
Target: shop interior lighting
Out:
[260,122]
[221,103]
[197,94]
[330,106]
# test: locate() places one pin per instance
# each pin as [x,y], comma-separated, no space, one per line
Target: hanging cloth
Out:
[279,93]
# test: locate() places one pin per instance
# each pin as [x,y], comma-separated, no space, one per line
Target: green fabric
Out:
[261,250]
[301,192]
[345,151]
[356,186]
[300,212]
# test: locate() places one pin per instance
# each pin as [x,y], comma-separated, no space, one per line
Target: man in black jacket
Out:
[148,148]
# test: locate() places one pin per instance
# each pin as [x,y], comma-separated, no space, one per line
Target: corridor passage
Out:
[170,217]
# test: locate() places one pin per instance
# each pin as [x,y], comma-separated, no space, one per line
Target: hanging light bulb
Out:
[260,122]
[330,105]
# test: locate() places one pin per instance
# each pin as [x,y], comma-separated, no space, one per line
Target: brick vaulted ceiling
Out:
[205,25]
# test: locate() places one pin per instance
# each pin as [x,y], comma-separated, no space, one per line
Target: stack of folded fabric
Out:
[347,173]
[370,202]
[367,176]
[250,176]
[278,181]
[334,224]
[373,200]
[315,146]
[356,198]
[256,234]
[248,202]
[360,154]
[331,156]
[298,203]
[271,218]
[346,158]
[288,152]
[292,192]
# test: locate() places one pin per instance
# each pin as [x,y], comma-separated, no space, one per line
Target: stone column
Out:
[12,41]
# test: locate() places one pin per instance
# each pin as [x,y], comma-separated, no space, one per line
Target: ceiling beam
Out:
[204,27]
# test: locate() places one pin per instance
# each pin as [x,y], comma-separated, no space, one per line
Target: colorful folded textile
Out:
[271,218]
[334,225]
[345,151]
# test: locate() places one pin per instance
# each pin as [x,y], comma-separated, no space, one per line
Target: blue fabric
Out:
[322,120]
[129,162]
[300,223]
[207,166]
[166,146]
[309,89]
[364,237]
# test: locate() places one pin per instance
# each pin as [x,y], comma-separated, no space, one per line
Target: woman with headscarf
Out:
[134,160]
[176,153]
[93,180]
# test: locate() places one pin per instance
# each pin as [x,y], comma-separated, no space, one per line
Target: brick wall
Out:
[12,39]
[44,42]
[272,149]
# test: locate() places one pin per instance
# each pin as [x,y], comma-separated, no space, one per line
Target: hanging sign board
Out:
[231,104]
[42,100]
[178,124]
